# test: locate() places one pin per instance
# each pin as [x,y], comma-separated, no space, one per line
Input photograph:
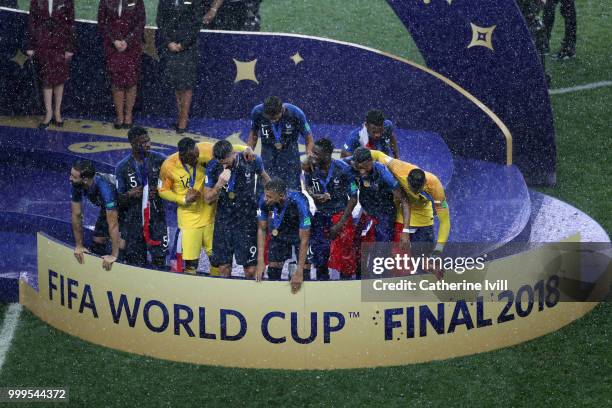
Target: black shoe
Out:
[178,130]
[564,54]
[118,125]
[56,123]
[43,125]
[127,126]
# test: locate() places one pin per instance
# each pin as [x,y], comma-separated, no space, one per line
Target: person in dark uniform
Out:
[531,10]
[178,23]
[334,191]
[280,125]
[568,11]
[377,133]
[51,42]
[121,24]
[233,15]
[287,215]
[230,182]
[101,191]
[143,218]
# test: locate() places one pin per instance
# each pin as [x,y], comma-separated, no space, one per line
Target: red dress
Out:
[123,67]
[50,36]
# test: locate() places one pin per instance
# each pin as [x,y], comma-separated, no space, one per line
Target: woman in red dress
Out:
[51,42]
[121,24]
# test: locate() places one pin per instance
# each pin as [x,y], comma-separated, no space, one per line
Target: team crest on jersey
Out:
[336,181]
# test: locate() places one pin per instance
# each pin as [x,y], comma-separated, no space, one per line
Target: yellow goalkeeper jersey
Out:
[421,209]
[176,178]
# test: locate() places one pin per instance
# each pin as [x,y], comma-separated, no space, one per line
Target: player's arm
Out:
[348,211]
[165,186]
[442,211]
[125,195]
[305,223]
[214,185]
[394,145]
[309,139]
[298,275]
[349,147]
[112,218]
[254,131]
[400,199]
[252,139]
[262,228]
[77,230]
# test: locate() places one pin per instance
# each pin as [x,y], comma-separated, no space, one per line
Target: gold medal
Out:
[275,232]
[232,195]
[366,183]
[278,145]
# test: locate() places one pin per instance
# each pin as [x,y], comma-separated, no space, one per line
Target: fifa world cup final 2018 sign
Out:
[327,325]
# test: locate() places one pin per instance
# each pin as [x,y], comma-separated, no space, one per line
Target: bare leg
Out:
[58,93]
[184,108]
[249,272]
[130,100]
[225,270]
[119,102]
[179,98]
[47,97]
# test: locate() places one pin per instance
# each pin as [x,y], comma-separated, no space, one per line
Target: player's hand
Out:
[68,55]
[432,263]
[209,16]
[224,177]
[325,197]
[191,196]
[117,44]
[249,154]
[296,281]
[174,47]
[78,254]
[30,53]
[259,272]
[107,261]
[405,239]
[135,192]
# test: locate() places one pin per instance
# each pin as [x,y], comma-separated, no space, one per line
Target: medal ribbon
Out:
[232,180]
[329,176]
[278,219]
[277,129]
[191,179]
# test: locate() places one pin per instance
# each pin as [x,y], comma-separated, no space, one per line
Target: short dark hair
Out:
[277,185]
[416,179]
[326,145]
[222,149]
[136,132]
[361,154]
[85,168]
[375,117]
[272,105]
[185,145]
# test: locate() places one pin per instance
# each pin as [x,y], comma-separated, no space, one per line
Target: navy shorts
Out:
[101,227]
[281,250]
[234,239]
[319,238]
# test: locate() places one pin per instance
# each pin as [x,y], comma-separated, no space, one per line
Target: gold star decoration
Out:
[149,44]
[19,58]
[482,36]
[297,58]
[245,71]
